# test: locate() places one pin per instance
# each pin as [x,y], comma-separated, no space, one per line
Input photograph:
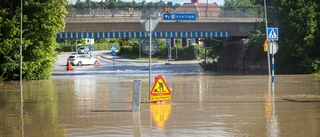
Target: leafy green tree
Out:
[214,46]
[81,8]
[299,36]
[42,20]
[255,49]
[239,3]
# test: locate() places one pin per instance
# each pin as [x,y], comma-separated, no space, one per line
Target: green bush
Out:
[66,48]
[95,47]
[183,53]
[41,23]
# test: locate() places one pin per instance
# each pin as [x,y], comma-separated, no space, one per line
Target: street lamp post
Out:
[21,41]
[90,7]
[21,89]
[150,23]
[265,16]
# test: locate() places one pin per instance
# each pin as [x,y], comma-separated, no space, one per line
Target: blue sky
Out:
[219,2]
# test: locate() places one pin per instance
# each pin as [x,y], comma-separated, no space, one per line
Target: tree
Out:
[298,36]
[42,20]
[239,3]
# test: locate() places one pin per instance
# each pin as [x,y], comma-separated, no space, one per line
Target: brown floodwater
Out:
[202,105]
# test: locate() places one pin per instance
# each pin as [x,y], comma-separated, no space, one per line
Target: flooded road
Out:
[203,104]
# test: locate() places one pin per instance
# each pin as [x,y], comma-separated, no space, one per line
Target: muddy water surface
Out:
[202,105]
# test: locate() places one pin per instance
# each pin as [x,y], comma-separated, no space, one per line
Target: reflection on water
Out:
[84,90]
[29,109]
[270,113]
[160,114]
[202,105]
[136,124]
[21,108]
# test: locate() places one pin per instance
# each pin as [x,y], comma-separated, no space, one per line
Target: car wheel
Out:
[79,63]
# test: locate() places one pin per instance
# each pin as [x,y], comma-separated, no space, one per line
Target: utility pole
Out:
[90,7]
[207,10]
[265,16]
[21,41]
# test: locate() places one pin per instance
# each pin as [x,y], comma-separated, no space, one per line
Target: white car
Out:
[81,60]
[83,50]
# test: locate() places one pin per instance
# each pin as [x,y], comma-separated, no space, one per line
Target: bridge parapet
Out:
[236,22]
[133,14]
[86,19]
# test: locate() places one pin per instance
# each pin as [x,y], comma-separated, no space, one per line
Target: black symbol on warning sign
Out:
[160,87]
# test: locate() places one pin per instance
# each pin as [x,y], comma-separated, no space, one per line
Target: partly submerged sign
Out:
[160,90]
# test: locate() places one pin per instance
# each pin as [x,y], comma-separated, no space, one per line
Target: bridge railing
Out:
[219,12]
[241,12]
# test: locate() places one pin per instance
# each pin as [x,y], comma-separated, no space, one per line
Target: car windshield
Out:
[83,48]
[71,57]
[85,56]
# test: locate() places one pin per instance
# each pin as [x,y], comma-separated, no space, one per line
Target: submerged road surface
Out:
[89,101]
[120,66]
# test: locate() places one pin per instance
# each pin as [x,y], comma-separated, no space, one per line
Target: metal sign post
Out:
[76,47]
[150,40]
[272,49]
[150,24]
[90,48]
[168,44]
[265,18]
[272,68]
[139,41]
[272,35]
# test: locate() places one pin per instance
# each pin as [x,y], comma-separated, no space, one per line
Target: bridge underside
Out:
[75,35]
[164,30]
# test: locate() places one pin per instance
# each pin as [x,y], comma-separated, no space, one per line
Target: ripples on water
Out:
[99,104]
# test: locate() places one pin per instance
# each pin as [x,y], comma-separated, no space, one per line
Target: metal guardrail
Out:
[221,12]
[104,19]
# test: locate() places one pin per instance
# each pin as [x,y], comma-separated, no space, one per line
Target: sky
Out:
[219,2]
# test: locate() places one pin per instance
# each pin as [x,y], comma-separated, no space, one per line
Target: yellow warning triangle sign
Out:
[160,87]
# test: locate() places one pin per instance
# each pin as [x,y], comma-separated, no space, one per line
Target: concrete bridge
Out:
[231,27]
[212,22]
[222,27]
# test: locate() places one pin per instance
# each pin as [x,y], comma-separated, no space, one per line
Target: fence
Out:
[134,12]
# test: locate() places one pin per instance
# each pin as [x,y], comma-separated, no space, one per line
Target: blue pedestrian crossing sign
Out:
[273,34]
[113,47]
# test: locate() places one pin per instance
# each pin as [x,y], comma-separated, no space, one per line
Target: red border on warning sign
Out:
[152,93]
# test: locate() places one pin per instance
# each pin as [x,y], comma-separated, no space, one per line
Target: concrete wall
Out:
[238,56]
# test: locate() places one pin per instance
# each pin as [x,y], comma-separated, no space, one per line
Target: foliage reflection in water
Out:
[202,105]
